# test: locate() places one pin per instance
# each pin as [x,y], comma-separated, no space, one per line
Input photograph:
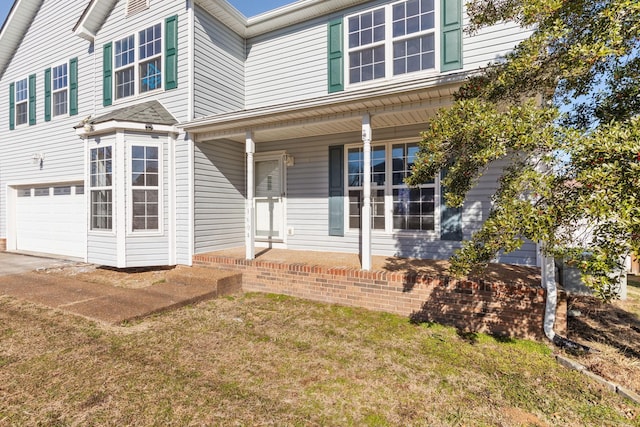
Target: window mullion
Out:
[388,190]
[388,42]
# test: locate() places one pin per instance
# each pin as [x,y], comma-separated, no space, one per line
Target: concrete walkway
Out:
[106,303]
[16,263]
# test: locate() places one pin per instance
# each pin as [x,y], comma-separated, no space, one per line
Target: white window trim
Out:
[89,189]
[388,194]
[388,42]
[136,65]
[66,89]
[130,188]
[26,102]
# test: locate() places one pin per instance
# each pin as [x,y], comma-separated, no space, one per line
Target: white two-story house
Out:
[142,132]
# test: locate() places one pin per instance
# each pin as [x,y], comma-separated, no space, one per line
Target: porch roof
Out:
[404,103]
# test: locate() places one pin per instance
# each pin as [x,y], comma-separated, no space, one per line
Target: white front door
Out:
[269,198]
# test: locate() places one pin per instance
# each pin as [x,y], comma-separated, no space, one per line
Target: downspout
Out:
[548,282]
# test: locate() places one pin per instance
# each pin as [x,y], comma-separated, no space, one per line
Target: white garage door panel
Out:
[53,224]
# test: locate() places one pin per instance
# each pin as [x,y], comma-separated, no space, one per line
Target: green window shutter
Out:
[107,72]
[451,36]
[171,53]
[12,106]
[450,218]
[32,99]
[336,190]
[47,95]
[335,60]
[73,87]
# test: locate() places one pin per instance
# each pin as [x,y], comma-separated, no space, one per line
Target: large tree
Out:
[564,109]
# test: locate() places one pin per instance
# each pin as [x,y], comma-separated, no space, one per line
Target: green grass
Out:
[272,360]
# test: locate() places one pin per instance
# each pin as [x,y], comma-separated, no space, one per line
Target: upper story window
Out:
[138,62]
[22,102]
[391,40]
[141,63]
[60,80]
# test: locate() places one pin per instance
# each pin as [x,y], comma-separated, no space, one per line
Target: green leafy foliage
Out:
[564,109]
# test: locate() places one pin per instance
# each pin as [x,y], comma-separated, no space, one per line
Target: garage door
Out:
[51,219]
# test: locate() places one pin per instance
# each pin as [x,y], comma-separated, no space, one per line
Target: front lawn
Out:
[262,359]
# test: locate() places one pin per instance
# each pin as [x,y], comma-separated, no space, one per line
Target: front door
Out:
[269,198]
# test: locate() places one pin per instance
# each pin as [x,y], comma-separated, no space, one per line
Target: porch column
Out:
[366,190]
[250,217]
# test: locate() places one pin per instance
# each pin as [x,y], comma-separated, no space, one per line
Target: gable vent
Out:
[136,6]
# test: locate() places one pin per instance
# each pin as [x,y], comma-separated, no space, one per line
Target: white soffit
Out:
[403,104]
[93,17]
[15,27]
[275,19]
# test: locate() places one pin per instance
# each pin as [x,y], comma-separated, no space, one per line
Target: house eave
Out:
[294,13]
[15,27]
[89,130]
[385,99]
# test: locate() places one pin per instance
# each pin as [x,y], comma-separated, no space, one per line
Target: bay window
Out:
[145,187]
[101,182]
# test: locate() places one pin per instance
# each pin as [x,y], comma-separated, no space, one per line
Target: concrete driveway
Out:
[16,263]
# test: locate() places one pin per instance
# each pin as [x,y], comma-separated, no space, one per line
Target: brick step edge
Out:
[615,388]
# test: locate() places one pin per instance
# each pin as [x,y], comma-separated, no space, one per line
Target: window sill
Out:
[408,77]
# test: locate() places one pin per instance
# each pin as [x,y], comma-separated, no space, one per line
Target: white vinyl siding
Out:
[219,69]
[220,195]
[288,65]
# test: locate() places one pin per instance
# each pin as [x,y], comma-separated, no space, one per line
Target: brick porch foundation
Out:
[3,245]
[472,306]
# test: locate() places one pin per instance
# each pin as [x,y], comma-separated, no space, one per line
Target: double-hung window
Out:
[394,206]
[391,40]
[413,208]
[60,85]
[145,187]
[101,174]
[138,62]
[125,67]
[355,181]
[22,102]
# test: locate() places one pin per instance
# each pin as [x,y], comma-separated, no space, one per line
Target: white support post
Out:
[250,217]
[366,190]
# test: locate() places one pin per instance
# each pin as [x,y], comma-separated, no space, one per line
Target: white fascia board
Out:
[15,27]
[434,85]
[114,125]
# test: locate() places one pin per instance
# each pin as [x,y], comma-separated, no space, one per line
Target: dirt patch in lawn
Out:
[132,278]
[612,329]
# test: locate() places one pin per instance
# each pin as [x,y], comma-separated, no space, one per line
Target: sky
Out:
[247,7]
